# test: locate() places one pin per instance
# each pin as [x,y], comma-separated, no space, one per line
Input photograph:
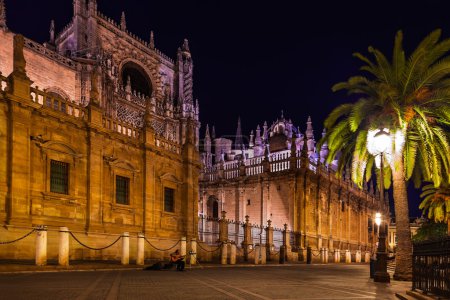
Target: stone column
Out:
[348,256]
[223,227]
[224,253]
[193,253]
[286,241]
[63,253]
[125,248]
[247,237]
[183,246]
[41,246]
[269,239]
[140,250]
[337,255]
[232,253]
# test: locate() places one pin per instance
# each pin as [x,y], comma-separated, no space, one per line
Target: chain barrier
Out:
[315,255]
[16,240]
[210,251]
[92,248]
[159,249]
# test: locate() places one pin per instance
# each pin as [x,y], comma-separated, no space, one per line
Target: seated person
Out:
[177,259]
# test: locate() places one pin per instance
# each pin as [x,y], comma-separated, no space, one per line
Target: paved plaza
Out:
[261,282]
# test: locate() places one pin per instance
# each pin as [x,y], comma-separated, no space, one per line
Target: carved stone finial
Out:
[186,46]
[152,40]
[94,88]
[52,32]
[2,15]
[269,223]
[123,22]
[19,59]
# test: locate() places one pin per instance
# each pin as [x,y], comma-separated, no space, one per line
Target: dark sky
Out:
[255,58]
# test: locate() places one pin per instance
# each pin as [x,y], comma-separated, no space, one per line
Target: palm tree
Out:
[436,200]
[410,98]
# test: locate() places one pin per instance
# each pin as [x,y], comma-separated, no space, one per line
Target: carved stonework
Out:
[158,127]
[127,115]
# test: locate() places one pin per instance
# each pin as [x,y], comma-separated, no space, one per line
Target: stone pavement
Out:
[333,281]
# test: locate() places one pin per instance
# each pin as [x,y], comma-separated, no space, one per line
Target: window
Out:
[216,210]
[59,177]
[169,199]
[122,190]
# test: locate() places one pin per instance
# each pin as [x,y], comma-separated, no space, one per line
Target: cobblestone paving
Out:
[269,282]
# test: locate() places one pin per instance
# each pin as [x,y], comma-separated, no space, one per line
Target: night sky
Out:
[255,58]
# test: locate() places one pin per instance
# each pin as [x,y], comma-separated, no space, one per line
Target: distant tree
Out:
[430,231]
[436,201]
[410,97]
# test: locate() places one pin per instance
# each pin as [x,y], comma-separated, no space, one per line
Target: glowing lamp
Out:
[379,141]
[378,219]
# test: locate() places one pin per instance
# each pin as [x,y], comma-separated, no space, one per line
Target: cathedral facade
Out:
[277,174]
[98,131]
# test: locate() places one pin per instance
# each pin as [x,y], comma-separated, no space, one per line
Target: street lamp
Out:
[378,222]
[378,143]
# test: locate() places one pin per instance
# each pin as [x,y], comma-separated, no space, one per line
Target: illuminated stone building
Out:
[273,176]
[98,132]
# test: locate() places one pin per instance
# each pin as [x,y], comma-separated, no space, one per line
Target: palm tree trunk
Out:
[403,257]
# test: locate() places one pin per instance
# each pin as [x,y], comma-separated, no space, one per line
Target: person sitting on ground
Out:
[177,259]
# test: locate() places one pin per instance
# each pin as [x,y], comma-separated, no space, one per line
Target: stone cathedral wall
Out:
[45,73]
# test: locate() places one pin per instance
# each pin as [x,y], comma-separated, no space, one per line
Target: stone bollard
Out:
[358,256]
[63,253]
[193,253]
[324,255]
[224,253]
[125,248]
[232,254]
[308,255]
[263,254]
[348,257]
[140,250]
[257,254]
[41,246]
[367,257]
[337,255]
[183,246]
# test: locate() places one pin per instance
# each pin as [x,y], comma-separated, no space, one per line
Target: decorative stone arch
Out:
[53,90]
[146,72]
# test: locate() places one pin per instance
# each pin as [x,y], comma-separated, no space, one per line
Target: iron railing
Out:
[431,267]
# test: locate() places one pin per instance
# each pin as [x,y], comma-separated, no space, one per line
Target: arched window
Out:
[213,207]
[138,78]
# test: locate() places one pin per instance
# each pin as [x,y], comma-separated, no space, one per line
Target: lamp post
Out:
[378,144]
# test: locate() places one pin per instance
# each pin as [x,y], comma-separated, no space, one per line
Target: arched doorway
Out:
[138,78]
[212,207]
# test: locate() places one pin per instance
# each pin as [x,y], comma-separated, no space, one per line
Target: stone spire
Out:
[185,46]
[265,133]
[258,141]
[123,22]
[52,32]
[213,133]
[324,148]
[94,100]
[238,139]
[310,137]
[252,143]
[207,140]
[2,15]
[152,40]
